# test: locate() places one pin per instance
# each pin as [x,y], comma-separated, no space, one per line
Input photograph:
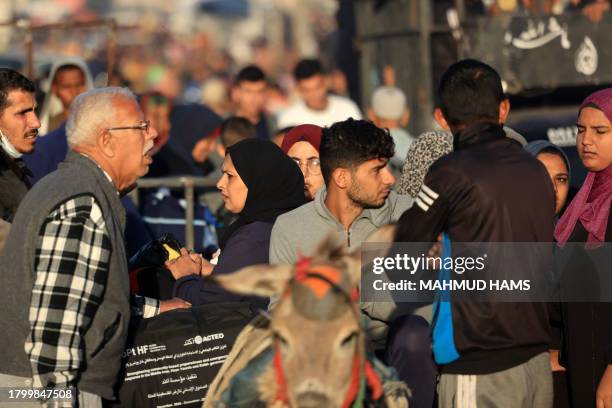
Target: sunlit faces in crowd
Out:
[559,174]
[371,183]
[69,81]
[233,190]
[307,158]
[251,97]
[18,122]
[301,143]
[594,139]
[157,110]
[132,147]
[249,93]
[314,91]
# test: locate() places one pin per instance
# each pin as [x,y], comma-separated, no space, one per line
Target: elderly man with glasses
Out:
[64,275]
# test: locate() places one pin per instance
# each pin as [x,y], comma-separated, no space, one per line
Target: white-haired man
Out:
[64,279]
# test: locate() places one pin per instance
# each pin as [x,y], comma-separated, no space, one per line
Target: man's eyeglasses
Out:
[144,126]
[313,165]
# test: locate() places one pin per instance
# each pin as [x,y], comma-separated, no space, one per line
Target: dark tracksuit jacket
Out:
[14,185]
[586,347]
[487,190]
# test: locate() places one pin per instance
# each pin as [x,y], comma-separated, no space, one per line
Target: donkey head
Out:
[318,342]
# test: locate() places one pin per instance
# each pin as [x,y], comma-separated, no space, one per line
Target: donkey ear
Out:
[353,267]
[379,241]
[331,247]
[259,280]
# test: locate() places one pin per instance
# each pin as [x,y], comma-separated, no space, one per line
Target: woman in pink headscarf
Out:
[302,144]
[588,326]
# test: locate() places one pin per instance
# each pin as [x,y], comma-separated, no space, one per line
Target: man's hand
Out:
[185,265]
[554,361]
[207,267]
[436,252]
[171,304]
[604,391]
[202,149]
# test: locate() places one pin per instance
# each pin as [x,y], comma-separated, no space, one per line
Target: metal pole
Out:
[189,216]
[112,44]
[188,184]
[425,87]
[460,6]
[29,44]
[111,52]
[73,24]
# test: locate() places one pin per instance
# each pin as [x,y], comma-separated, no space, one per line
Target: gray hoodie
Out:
[301,230]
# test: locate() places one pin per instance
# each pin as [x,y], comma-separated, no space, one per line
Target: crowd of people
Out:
[286,181]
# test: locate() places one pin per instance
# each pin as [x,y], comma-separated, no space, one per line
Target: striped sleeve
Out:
[426,197]
[430,214]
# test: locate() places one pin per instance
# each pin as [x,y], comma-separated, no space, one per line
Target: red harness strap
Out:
[351,394]
[281,382]
[355,295]
[373,381]
[302,267]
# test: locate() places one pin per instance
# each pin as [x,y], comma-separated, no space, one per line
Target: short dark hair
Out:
[470,91]
[235,129]
[307,68]
[250,73]
[352,142]
[11,80]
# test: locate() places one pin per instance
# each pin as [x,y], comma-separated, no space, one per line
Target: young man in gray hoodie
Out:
[356,200]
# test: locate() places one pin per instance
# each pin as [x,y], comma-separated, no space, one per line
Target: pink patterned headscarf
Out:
[591,206]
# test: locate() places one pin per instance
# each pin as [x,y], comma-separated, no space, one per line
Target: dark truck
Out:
[549,63]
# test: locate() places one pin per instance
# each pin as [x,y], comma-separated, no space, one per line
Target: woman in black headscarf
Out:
[259,183]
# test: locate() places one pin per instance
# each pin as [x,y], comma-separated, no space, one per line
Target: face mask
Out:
[8,147]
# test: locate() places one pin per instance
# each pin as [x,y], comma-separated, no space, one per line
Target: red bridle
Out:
[303,272]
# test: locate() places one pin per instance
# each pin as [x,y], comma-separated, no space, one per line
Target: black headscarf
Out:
[275,183]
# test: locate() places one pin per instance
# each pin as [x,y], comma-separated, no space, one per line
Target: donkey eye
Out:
[348,340]
[281,340]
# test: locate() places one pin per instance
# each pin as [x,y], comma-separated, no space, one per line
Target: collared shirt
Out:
[71,264]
